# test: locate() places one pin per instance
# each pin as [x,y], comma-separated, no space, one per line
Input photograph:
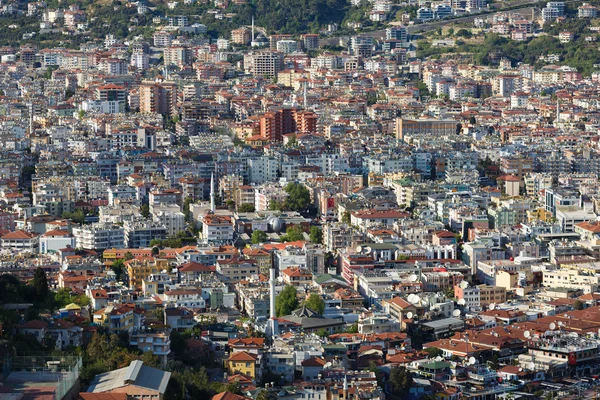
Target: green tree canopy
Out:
[259,236]
[40,284]
[118,268]
[315,303]
[434,352]
[287,301]
[246,207]
[400,381]
[64,297]
[292,234]
[316,234]
[298,197]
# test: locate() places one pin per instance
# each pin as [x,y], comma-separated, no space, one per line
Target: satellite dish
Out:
[464,284]
[367,250]
[409,315]
[413,278]
[531,365]
[462,302]
[527,334]
[416,298]
[552,326]
[438,358]
[472,361]
[492,306]
[456,313]
[410,298]
[359,249]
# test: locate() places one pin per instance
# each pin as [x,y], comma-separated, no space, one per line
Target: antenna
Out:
[252,30]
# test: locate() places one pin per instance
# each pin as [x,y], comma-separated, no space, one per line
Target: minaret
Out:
[212,192]
[272,325]
[345,387]
[252,30]
[557,110]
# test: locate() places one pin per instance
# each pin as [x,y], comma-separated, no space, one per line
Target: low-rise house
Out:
[138,381]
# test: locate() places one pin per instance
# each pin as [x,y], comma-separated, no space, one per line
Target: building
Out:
[138,381]
[20,241]
[162,39]
[241,36]
[242,362]
[99,236]
[141,268]
[433,127]
[265,63]
[157,97]
[217,228]
[310,41]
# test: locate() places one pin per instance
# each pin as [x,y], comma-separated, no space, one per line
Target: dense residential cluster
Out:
[375,215]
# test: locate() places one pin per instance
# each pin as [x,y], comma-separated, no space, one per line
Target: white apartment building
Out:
[99,236]
[169,216]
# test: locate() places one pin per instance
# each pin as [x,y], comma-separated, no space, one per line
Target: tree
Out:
[186,209]
[346,217]
[40,284]
[315,303]
[322,332]
[316,234]
[259,236]
[434,352]
[578,305]
[286,302]
[145,210]
[292,234]
[298,197]
[63,297]
[128,256]
[400,381]
[150,359]
[264,395]
[118,268]
[352,328]
[246,207]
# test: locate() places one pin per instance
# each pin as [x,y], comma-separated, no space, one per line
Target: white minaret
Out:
[252,29]
[345,387]
[272,325]
[212,192]
[557,110]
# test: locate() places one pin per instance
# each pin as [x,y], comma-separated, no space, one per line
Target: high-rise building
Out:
[273,125]
[310,41]
[263,63]
[178,55]
[241,36]
[157,97]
